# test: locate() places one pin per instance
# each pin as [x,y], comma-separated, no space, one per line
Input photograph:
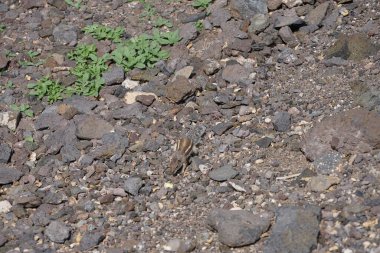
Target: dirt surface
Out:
[271,110]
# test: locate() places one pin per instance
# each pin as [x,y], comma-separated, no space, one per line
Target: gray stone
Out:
[248,8]
[91,239]
[282,121]
[218,14]
[336,133]
[211,67]
[288,37]
[264,142]
[237,228]
[8,174]
[114,75]
[33,4]
[322,183]
[327,163]
[235,73]
[91,127]
[82,104]
[365,96]
[222,127]
[258,23]
[292,3]
[315,16]
[281,21]
[69,153]
[223,173]
[274,4]
[3,240]
[188,32]
[134,110]
[57,232]
[133,184]
[65,34]
[5,152]
[49,120]
[296,230]
[179,90]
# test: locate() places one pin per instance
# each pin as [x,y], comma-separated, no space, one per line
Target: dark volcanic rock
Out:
[8,174]
[91,127]
[336,133]
[238,228]
[57,232]
[296,230]
[91,240]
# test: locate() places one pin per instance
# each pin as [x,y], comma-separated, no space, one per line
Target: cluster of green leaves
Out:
[76,4]
[149,11]
[23,108]
[199,25]
[2,28]
[88,70]
[32,55]
[45,87]
[144,51]
[139,52]
[160,21]
[201,4]
[101,32]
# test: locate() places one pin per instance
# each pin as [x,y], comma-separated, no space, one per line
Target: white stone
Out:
[5,206]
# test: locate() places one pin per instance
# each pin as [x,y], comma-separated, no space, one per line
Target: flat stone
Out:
[178,245]
[288,37]
[264,142]
[57,231]
[83,104]
[5,153]
[327,163]
[184,72]
[33,4]
[296,229]
[352,47]
[335,133]
[134,110]
[69,153]
[133,184]
[49,120]
[315,16]
[281,21]
[65,34]
[282,121]
[274,4]
[131,97]
[180,89]
[223,173]
[248,8]
[114,75]
[91,127]
[8,174]
[188,32]
[222,127]
[235,73]
[322,183]
[67,111]
[258,23]
[237,228]
[91,239]
[292,3]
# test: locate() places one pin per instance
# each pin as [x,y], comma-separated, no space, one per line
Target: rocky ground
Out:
[281,99]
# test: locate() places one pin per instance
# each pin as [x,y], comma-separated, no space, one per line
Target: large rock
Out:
[8,174]
[238,228]
[296,230]
[356,130]
[248,8]
[91,127]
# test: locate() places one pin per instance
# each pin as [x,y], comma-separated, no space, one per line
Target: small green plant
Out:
[10,85]
[29,138]
[159,22]
[53,90]
[201,4]
[23,108]
[10,54]
[199,25]
[88,70]
[101,32]
[2,28]
[31,54]
[166,38]
[76,4]
[149,11]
